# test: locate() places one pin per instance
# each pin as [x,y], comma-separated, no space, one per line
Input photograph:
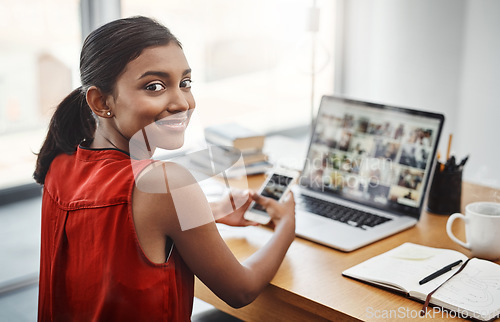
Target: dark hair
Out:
[105,53]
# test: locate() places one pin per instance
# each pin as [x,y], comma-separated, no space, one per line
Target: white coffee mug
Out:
[482,229]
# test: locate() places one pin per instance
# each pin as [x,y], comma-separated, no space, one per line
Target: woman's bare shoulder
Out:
[160,177]
[166,191]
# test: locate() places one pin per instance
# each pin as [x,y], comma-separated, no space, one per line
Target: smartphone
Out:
[276,186]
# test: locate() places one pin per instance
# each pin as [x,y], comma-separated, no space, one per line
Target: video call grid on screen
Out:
[380,156]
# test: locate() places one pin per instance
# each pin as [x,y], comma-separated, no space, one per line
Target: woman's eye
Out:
[186,83]
[155,87]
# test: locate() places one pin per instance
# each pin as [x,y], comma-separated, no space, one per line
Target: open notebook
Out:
[474,292]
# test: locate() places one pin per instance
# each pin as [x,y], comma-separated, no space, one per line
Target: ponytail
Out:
[71,123]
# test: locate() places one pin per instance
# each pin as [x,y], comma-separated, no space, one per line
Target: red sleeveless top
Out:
[92,267]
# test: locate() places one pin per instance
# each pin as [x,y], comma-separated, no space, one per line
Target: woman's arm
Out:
[182,215]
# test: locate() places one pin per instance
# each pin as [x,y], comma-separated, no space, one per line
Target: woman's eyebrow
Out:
[162,74]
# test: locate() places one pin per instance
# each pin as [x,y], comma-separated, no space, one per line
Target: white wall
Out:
[437,55]
[478,121]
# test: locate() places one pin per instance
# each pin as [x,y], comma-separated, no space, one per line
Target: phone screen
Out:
[275,187]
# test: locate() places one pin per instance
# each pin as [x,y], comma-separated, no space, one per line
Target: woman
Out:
[122,236]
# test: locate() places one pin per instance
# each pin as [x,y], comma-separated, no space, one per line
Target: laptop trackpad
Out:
[306,222]
[328,232]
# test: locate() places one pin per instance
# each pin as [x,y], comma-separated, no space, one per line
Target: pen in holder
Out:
[445,193]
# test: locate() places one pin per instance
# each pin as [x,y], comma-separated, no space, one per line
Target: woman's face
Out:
[152,100]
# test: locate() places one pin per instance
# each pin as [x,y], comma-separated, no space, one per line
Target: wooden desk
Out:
[309,285]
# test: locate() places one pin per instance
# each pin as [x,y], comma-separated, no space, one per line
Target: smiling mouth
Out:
[172,123]
[177,121]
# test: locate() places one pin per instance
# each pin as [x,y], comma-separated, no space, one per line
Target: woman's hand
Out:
[231,208]
[280,212]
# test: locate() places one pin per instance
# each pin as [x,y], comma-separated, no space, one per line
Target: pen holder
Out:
[445,194]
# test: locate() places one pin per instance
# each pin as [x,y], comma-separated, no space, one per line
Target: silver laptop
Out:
[366,173]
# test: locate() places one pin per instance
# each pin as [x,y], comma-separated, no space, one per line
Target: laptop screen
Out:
[373,154]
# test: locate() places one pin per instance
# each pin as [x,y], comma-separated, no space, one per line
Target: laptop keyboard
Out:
[350,216]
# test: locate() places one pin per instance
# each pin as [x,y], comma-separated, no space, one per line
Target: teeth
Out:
[171,122]
[177,120]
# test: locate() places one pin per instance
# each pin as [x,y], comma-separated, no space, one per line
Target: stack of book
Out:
[237,147]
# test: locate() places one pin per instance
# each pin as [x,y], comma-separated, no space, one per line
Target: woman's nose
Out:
[177,101]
